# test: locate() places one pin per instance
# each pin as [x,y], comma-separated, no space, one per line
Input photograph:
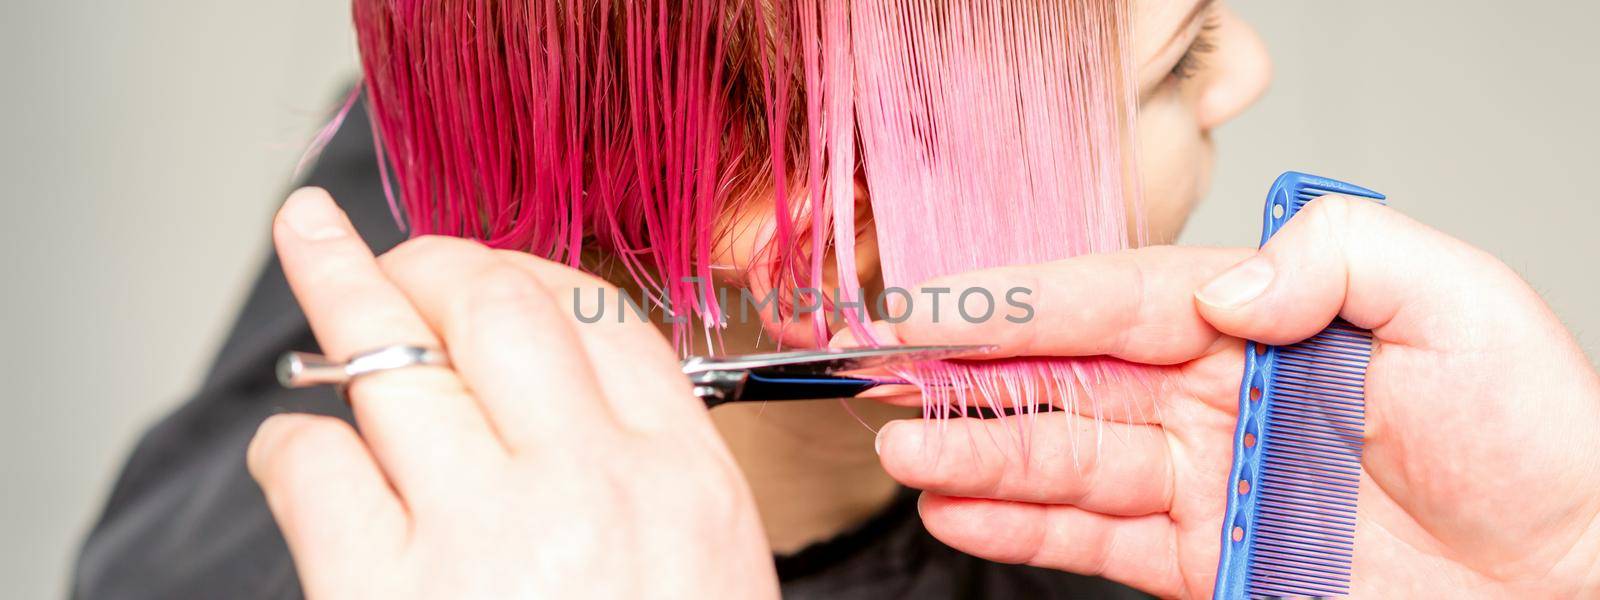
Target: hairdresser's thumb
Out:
[1364,262]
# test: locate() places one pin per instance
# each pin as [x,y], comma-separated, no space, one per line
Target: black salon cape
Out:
[186,521]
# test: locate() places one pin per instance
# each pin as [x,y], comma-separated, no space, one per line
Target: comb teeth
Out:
[1311,456]
[1289,525]
[1310,188]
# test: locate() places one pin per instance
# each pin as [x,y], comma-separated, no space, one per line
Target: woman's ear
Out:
[744,260]
[866,262]
[868,255]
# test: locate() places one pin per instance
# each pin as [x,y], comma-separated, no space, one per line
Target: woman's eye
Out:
[1193,59]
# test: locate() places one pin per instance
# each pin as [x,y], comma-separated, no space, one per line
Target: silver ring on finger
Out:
[305,369]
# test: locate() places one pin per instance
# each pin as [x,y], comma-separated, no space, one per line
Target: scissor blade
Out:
[831,360]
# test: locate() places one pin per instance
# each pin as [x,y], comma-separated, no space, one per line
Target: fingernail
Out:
[844,339]
[312,217]
[885,332]
[910,433]
[877,443]
[1238,285]
[266,436]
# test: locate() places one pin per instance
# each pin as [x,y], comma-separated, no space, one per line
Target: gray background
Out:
[145,145]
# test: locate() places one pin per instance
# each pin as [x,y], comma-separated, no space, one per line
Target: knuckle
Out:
[413,386]
[410,248]
[1328,210]
[420,249]
[1025,335]
[502,286]
[493,295]
[433,243]
[541,265]
[1345,222]
[1339,213]
[561,281]
[1136,311]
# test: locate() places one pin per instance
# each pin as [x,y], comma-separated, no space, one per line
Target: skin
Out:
[1477,398]
[1177,113]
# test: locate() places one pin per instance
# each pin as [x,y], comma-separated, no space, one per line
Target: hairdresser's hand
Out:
[1481,476]
[552,461]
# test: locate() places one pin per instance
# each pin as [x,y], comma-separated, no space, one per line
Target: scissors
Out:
[805,374]
[797,375]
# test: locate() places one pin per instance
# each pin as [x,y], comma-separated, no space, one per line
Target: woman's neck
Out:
[811,465]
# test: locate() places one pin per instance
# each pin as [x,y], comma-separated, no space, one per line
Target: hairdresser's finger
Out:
[327,494]
[636,368]
[1376,268]
[507,338]
[1135,305]
[420,422]
[1136,551]
[1051,458]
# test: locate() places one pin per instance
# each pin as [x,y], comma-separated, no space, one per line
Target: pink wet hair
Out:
[990,132]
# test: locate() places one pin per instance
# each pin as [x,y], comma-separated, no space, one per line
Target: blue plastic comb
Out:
[1290,525]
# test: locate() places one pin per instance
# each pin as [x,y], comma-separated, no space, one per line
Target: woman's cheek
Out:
[1174,162]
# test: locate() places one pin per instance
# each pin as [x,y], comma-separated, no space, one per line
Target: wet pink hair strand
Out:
[989,132]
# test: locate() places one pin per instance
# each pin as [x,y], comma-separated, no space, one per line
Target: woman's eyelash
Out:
[1204,43]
